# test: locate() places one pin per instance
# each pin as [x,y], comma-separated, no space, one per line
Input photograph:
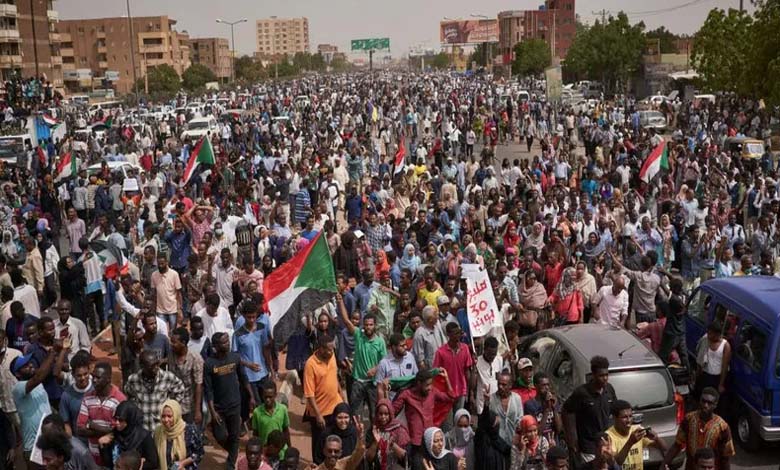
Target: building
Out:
[214,53]
[97,53]
[29,43]
[554,22]
[328,51]
[278,37]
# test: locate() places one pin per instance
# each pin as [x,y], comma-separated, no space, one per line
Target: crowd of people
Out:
[402,175]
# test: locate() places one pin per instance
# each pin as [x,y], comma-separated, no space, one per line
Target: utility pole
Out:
[741,6]
[132,50]
[233,45]
[603,14]
[370,60]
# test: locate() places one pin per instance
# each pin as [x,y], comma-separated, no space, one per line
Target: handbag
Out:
[529,318]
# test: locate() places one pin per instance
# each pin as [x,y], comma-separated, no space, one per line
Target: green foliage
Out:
[340,64]
[196,77]
[479,54]
[531,57]
[610,52]
[666,39]
[248,70]
[722,50]
[163,81]
[441,61]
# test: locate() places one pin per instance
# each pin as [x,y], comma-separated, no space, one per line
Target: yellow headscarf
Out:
[176,434]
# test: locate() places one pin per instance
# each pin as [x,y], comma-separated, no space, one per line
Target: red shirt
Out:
[101,412]
[419,410]
[456,363]
[552,274]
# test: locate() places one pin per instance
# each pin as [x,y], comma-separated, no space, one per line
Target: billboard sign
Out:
[554,83]
[468,31]
[370,44]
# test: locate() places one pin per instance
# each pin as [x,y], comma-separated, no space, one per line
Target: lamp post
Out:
[232,45]
[483,17]
[132,50]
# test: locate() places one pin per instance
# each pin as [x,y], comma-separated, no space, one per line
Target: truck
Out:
[14,145]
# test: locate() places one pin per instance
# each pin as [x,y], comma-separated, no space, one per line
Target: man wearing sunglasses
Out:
[703,429]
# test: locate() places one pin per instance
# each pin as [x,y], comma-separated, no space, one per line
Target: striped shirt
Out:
[93,270]
[100,412]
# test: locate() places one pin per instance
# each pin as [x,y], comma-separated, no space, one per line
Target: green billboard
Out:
[370,44]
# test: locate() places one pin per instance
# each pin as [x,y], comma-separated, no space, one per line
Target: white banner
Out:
[481,304]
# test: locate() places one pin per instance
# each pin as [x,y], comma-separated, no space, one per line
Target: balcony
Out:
[102,49]
[103,64]
[155,62]
[56,60]
[9,35]
[54,37]
[101,34]
[10,60]
[153,49]
[7,10]
[66,52]
[53,15]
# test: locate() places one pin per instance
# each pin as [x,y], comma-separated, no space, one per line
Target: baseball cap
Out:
[524,363]
[19,362]
[443,299]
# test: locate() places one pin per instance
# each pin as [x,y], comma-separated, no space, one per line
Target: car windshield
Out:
[645,389]
[198,125]
[10,147]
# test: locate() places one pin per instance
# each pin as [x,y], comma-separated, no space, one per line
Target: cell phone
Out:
[648,430]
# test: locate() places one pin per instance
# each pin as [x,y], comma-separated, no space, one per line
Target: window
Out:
[562,376]
[644,389]
[752,345]
[699,306]
[729,320]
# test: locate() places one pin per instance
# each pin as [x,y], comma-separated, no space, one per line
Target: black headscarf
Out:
[134,433]
[491,451]
[349,436]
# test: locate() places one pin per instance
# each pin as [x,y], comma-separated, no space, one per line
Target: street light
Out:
[232,45]
[483,17]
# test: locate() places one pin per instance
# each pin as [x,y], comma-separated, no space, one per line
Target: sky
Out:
[408,23]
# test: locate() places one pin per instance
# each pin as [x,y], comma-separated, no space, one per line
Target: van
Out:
[14,146]
[748,307]
[106,106]
[635,371]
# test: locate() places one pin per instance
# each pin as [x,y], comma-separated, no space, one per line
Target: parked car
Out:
[747,307]
[635,371]
[653,120]
[199,127]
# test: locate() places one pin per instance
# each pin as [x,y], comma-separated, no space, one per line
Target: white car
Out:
[199,127]
[117,167]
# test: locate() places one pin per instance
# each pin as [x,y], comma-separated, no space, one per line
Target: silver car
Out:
[635,371]
[653,120]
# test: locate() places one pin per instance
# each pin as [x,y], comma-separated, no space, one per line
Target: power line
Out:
[604,13]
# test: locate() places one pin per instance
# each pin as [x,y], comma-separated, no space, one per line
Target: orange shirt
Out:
[320,381]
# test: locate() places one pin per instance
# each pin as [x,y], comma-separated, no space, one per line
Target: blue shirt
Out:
[362,293]
[53,389]
[249,345]
[354,207]
[180,248]
[70,405]
[302,205]
[31,408]
[14,331]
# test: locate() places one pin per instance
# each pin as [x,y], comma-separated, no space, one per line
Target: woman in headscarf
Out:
[669,239]
[387,440]
[491,450]
[435,456]
[586,284]
[177,442]
[9,246]
[129,434]
[529,447]
[471,255]
[533,298]
[460,439]
[535,238]
[511,237]
[566,300]
[592,249]
[345,258]
[381,265]
[342,426]
[409,260]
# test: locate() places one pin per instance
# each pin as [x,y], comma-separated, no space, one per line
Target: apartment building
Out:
[214,53]
[97,53]
[554,22]
[280,37]
[29,42]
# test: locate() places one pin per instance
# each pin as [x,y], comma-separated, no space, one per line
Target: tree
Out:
[722,50]
[248,70]
[479,56]
[196,77]
[441,61]
[340,64]
[610,52]
[163,81]
[666,40]
[531,57]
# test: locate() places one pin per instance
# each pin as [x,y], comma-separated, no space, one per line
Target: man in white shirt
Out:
[66,326]
[25,293]
[610,304]
[216,319]
[489,364]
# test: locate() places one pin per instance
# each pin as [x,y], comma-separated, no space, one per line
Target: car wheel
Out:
[747,430]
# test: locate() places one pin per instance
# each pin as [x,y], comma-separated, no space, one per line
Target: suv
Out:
[199,127]
[635,371]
